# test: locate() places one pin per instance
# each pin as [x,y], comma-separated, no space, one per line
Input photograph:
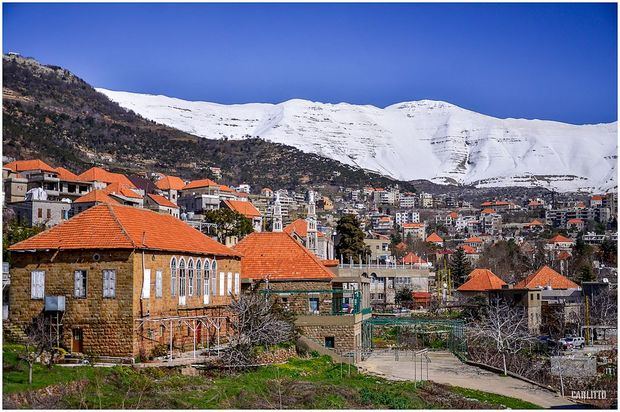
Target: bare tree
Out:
[38,341]
[254,322]
[505,326]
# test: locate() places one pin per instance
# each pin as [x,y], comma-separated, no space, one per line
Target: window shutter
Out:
[34,287]
[222,284]
[76,284]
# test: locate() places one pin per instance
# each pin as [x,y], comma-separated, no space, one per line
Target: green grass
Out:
[15,372]
[494,399]
[301,383]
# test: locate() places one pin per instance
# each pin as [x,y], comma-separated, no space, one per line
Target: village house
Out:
[328,309]
[480,282]
[169,186]
[417,231]
[247,209]
[435,239]
[121,281]
[160,204]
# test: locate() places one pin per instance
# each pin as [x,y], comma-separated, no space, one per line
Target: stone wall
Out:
[346,336]
[111,326]
[299,303]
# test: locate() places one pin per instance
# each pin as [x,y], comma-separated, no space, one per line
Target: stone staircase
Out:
[13,333]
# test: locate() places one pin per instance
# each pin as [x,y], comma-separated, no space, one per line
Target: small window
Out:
[158,284]
[49,213]
[229,284]
[37,284]
[198,277]
[40,213]
[314,305]
[182,277]
[109,283]
[222,283]
[79,277]
[190,277]
[330,341]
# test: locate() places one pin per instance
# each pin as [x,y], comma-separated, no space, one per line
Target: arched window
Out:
[190,277]
[214,277]
[207,279]
[173,276]
[182,277]
[198,277]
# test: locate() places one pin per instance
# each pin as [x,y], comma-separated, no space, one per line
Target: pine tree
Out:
[351,239]
[586,274]
[459,266]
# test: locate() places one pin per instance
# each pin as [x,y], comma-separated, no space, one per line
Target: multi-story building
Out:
[379,247]
[416,230]
[120,281]
[426,200]
[408,216]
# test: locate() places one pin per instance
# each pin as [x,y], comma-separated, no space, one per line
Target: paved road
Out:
[448,369]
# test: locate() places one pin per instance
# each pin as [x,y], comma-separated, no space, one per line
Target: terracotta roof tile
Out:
[413,225]
[119,189]
[278,256]
[560,239]
[125,227]
[300,227]
[434,238]
[536,222]
[574,221]
[468,249]
[101,175]
[412,258]
[170,182]
[473,239]
[545,276]
[195,184]
[25,165]
[96,196]
[487,211]
[247,209]
[480,280]
[162,201]
[65,174]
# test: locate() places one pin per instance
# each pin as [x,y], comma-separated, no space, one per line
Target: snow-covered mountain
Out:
[423,139]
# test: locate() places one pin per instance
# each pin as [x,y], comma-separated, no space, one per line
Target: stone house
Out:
[328,309]
[133,282]
[160,204]
[170,187]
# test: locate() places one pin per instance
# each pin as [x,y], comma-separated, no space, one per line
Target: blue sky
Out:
[545,61]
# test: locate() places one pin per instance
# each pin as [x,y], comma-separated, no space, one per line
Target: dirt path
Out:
[448,369]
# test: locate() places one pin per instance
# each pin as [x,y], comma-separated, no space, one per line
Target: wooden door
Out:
[77,341]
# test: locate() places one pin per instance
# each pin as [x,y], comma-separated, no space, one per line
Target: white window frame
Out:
[214,277]
[37,284]
[207,282]
[182,281]
[190,277]
[109,283]
[146,284]
[229,284]
[159,283]
[77,289]
[173,276]
[222,283]
[198,270]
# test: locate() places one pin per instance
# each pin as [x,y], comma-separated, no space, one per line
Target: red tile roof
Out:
[563,255]
[488,211]
[480,280]
[224,188]
[162,201]
[122,190]
[413,225]
[536,222]
[170,183]
[545,276]
[412,258]
[559,239]
[247,209]
[125,227]
[195,184]
[101,175]
[65,174]
[96,196]
[277,256]
[453,215]
[574,221]
[473,239]
[434,238]
[330,263]
[300,226]
[25,165]
[468,249]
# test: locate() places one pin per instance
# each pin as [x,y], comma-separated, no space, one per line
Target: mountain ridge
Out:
[450,144]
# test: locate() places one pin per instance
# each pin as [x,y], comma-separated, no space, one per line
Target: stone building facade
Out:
[109,310]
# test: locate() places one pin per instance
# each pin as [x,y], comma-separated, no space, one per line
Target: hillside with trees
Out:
[52,114]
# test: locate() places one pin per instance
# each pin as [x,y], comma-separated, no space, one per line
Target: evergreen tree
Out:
[586,274]
[459,267]
[228,224]
[351,239]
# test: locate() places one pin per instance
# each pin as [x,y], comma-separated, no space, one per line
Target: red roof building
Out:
[124,227]
[162,201]
[277,256]
[481,280]
[434,238]
[546,277]
[412,259]
[247,209]
[170,183]
[27,165]
[96,196]
[97,174]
